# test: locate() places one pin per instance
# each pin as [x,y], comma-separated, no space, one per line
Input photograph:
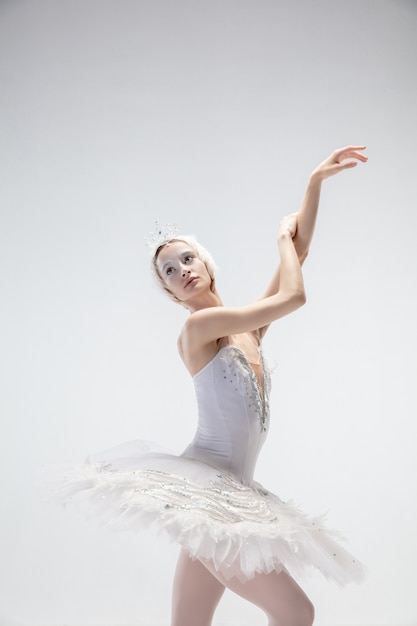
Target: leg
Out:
[277,594]
[196,593]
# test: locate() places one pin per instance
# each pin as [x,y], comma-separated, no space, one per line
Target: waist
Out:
[221,461]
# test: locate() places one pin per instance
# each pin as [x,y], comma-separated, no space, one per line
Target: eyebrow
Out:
[185,253]
[169,262]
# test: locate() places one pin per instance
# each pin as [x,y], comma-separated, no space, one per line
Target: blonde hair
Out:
[201,252]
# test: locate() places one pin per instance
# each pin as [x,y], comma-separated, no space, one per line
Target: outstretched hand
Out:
[342,159]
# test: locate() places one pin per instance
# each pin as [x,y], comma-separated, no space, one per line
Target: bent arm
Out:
[339,160]
[210,324]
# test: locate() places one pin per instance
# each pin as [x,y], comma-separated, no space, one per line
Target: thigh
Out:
[277,594]
[196,593]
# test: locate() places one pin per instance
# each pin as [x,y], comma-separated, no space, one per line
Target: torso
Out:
[233,411]
[248,343]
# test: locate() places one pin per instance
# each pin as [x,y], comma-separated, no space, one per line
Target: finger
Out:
[360,157]
[351,151]
[349,154]
[350,148]
[347,165]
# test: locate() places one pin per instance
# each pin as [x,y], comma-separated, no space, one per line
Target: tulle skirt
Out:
[241,529]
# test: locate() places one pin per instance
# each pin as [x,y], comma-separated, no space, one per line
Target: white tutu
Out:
[206,498]
[241,529]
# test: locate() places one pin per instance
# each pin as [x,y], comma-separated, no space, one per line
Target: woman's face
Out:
[183,272]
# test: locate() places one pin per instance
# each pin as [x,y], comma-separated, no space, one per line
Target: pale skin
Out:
[198,587]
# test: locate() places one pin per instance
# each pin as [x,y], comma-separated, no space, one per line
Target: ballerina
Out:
[233,532]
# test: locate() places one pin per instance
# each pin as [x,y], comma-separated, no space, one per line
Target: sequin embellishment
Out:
[259,394]
[223,500]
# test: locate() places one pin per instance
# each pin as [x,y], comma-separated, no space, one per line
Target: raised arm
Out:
[339,160]
[209,324]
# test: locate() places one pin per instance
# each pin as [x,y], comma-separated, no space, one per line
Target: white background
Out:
[210,114]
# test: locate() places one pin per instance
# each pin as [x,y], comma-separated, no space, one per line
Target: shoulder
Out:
[192,332]
[194,352]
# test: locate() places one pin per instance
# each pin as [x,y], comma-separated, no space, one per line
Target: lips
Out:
[190,280]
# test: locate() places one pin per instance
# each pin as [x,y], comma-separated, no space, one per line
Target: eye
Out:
[188,258]
[169,271]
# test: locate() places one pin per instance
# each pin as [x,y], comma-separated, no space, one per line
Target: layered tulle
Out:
[241,529]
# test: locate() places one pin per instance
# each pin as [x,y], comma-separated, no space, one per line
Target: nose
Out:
[185,271]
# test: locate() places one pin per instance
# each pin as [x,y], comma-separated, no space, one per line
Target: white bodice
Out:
[233,414]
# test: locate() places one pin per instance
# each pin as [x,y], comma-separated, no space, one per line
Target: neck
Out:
[204,301]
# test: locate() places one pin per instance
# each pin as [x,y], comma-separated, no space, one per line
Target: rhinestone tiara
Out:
[161,234]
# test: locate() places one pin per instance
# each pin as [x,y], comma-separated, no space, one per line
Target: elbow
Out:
[298,298]
[292,299]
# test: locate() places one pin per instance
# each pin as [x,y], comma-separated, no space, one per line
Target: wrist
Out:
[316,177]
